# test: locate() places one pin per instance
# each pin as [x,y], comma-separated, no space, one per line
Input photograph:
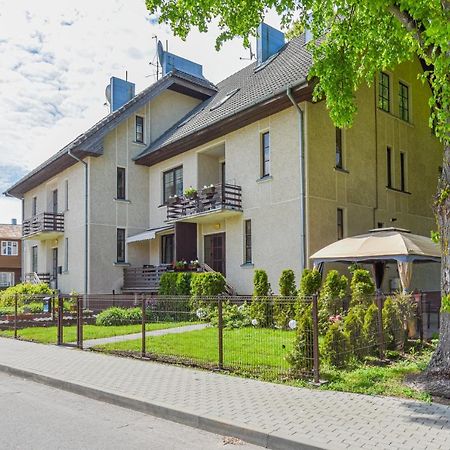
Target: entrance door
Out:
[215,252]
[55,266]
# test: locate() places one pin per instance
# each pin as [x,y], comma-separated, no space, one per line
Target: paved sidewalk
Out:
[88,343]
[266,414]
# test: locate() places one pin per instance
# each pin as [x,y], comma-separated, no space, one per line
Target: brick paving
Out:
[290,417]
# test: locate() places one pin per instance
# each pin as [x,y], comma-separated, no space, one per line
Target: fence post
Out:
[316,361]
[60,319]
[80,322]
[380,324]
[220,330]
[420,316]
[143,349]
[15,314]
[53,305]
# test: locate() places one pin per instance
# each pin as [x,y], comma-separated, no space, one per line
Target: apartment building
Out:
[269,178]
[10,254]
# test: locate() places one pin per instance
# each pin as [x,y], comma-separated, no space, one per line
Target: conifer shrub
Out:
[183,283]
[336,347]
[392,325]
[301,356]
[353,328]
[283,305]
[362,287]
[261,308]
[370,329]
[309,285]
[168,283]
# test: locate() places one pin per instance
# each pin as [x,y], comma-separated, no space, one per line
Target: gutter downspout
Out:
[303,256]
[85,219]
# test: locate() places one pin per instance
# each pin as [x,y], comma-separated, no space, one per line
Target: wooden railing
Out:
[217,197]
[36,278]
[43,222]
[142,279]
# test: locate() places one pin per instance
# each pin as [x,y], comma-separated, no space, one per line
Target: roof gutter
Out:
[86,223]
[301,148]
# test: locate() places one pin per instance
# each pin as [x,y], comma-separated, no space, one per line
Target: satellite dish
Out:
[108,93]
[161,53]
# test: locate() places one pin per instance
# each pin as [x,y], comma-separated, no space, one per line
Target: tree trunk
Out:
[440,361]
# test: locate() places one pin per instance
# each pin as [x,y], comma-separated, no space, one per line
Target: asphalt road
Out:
[35,416]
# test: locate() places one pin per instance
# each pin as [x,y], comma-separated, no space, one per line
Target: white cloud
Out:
[56,59]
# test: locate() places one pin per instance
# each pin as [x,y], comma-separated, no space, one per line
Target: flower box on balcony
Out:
[172,200]
[209,190]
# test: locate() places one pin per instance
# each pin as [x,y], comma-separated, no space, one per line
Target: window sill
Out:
[121,264]
[388,188]
[264,179]
[340,169]
[247,265]
[139,143]
[121,200]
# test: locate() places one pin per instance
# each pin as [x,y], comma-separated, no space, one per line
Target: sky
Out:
[56,58]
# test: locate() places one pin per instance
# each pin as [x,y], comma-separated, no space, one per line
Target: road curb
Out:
[247,434]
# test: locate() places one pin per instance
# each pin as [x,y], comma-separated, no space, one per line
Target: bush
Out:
[362,287]
[119,316]
[233,316]
[207,284]
[336,346]
[392,325]
[6,310]
[284,309]
[34,307]
[370,329]
[261,309]
[25,292]
[183,283]
[301,357]
[332,293]
[310,282]
[353,328]
[168,283]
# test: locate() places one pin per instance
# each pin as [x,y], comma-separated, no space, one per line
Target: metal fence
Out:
[270,337]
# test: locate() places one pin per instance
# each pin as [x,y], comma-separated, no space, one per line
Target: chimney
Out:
[268,43]
[13,221]
[170,62]
[118,92]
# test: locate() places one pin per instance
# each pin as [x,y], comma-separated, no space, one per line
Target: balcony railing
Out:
[44,222]
[212,199]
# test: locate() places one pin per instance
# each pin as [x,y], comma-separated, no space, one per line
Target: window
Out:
[402,172]
[227,97]
[66,254]
[339,162]
[389,166]
[9,248]
[384,95]
[172,183]
[55,201]
[120,245]
[380,225]
[248,241]
[139,129]
[265,144]
[121,183]
[340,223]
[167,249]
[34,258]
[66,195]
[34,206]
[403,104]
[6,279]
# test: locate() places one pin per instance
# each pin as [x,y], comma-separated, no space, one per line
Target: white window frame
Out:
[9,248]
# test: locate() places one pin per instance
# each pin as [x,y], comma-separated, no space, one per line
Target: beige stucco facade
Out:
[271,203]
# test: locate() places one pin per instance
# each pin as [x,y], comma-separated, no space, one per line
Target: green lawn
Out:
[47,335]
[248,349]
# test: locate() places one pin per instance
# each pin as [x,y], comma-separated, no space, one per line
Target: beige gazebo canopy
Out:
[380,246]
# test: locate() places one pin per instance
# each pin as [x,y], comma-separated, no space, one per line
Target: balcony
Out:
[216,202]
[43,226]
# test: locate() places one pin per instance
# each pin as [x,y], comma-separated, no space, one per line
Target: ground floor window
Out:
[6,279]
[167,248]
[247,241]
[340,223]
[34,258]
[120,245]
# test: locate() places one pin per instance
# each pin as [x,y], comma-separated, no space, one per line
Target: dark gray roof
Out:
[90,143]
[288,68]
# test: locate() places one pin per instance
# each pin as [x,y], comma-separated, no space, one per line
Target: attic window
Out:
[266,62]
[227,97]
[188,118]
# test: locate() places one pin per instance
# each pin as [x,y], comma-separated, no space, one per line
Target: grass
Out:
[249,349]
[261,353]
[47,335]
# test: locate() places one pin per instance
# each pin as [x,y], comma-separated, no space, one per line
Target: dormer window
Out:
[140,129]
[226,98]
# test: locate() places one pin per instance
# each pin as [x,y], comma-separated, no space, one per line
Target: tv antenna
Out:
[152,63]
[251,56]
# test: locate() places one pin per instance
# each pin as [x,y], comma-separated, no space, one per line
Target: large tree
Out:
[353,40]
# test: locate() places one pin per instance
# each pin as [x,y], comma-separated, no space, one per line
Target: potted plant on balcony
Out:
[181,265]
[194,265]
[172,200]
[191,193]
[209,190]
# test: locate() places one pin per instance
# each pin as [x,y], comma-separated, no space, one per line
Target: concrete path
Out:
[266,414]
[131,337]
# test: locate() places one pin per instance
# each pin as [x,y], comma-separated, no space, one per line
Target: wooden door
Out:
[215,252]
